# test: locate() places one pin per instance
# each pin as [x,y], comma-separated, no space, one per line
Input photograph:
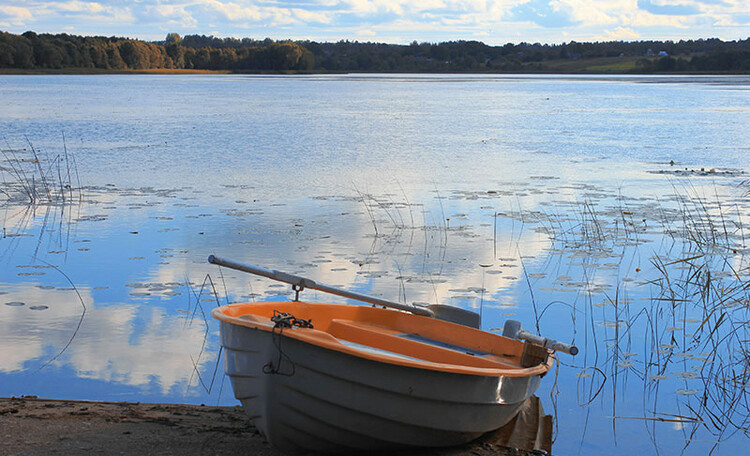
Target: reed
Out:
[38,187]
[37,177]
[696,270]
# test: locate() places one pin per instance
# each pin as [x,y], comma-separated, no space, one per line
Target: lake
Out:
[608,212]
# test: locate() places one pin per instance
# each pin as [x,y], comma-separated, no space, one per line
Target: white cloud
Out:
[312,16]
[14,15]
[366,7]
[493,21]
[249,15]
[81,7]
[232,11]
[620,34]
[166,11]
[645,19]
[599,13]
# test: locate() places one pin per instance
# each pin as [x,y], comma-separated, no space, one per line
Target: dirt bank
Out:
[31,426]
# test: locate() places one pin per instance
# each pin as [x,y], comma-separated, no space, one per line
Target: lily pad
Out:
[686,391]
[687,374]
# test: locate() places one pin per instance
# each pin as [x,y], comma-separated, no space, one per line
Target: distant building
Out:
[663,54]
[649,53]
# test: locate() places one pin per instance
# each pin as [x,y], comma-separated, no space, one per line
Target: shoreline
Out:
[97,71]
[34,426]
[170,71]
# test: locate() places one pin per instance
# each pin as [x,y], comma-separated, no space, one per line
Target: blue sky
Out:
[389,21]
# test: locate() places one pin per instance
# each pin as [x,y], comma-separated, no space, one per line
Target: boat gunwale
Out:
[325,340]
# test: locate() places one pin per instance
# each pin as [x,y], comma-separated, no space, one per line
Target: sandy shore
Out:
[31,426]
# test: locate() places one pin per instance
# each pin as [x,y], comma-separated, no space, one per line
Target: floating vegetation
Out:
[688,374]
[37,177]
[658,377]
[613,324]
[700,172]
[15,304]
[686,391]
[653,289]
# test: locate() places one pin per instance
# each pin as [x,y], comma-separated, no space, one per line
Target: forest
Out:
[48,52]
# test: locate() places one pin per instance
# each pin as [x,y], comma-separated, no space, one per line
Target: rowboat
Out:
[338,378]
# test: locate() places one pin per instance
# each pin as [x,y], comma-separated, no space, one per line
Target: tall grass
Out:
[38,185]
[686,259]
[37,177]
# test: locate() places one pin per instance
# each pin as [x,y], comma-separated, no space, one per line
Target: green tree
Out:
[114,60]
[173,38]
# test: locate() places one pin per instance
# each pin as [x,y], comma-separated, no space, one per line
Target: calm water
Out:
[608,212]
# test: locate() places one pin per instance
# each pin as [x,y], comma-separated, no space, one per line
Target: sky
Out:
[387,21]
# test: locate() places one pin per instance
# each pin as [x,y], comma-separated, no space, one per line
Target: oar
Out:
[442,312]
[513,330]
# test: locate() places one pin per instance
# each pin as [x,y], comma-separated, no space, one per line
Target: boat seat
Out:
[413,346]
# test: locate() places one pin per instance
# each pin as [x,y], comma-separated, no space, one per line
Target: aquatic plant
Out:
[693,326]
[38,188]
[38,177]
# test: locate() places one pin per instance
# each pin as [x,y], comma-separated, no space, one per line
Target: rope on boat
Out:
[283,320]
[286,320]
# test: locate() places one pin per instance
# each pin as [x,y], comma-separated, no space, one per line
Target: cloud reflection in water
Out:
[121,343]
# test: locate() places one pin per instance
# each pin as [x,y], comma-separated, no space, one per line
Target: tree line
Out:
[62,51]
[474,56]
[45,51]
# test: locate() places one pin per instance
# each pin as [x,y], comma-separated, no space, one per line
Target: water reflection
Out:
[653,290]
[121,343]
[643,267]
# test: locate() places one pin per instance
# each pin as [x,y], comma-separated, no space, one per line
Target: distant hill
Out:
[70,53]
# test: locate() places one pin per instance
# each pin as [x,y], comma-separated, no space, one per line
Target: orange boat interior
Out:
[395,337]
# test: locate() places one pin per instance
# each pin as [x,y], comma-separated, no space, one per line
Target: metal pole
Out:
[302,282]
[513,330]
[548,343]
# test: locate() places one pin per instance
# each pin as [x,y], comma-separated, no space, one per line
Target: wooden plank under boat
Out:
[337,378]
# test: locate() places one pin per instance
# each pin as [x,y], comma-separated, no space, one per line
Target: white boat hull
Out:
[305,398]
